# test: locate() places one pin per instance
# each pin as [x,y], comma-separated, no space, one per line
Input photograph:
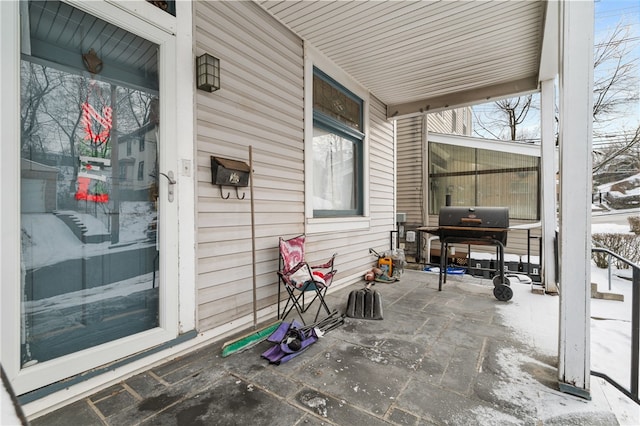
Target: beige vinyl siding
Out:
[260,104]
[411,155]
[410,168]
[442,121]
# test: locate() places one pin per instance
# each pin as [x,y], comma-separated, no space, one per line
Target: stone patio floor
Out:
[437,358]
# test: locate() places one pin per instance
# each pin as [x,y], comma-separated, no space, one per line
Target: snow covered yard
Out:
[535,317]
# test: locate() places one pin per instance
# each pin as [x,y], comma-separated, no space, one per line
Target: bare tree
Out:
[36,86]
[615,80]
[504,119]
[615,88]
[622,156]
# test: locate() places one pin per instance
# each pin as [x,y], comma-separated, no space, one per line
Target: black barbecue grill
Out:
[477,226]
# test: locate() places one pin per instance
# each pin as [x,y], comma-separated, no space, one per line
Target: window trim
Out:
[313,58]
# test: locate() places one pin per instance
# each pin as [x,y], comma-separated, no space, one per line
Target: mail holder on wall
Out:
[227,172]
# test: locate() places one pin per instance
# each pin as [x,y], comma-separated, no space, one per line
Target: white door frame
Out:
[177,303]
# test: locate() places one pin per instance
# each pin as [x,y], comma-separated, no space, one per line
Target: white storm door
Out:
[97,278]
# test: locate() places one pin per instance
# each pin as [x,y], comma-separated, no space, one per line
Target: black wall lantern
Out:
[208,73]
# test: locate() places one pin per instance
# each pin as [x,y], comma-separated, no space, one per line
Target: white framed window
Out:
[336,148]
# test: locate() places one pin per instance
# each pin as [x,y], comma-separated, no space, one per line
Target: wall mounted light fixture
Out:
[208,73]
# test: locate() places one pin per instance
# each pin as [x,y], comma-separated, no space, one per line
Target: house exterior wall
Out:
[44,177]
[413,171]
[262,104]
[411,154]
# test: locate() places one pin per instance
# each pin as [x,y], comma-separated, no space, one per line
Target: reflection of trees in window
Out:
[52,111]
[53,131]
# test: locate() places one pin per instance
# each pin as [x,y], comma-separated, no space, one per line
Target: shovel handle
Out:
[374,252]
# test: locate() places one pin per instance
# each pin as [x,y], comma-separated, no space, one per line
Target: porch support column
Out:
[426,182]
[575,131]
[548,179]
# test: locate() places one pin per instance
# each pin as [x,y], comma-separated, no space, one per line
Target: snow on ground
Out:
[610,228]
[122,288]
[535,317]
[635,180]
[47,240]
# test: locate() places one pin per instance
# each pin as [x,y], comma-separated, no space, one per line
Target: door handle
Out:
[172,182]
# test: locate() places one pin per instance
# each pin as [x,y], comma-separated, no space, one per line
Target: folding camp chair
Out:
[298,278]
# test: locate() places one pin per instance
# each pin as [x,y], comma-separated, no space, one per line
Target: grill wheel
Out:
[502,292]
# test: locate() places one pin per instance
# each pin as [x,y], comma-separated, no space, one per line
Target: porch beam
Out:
[464,98]
[575,140]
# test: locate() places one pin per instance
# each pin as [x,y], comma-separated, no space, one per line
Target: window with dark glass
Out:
[481,177]
[168,6]
[337,149]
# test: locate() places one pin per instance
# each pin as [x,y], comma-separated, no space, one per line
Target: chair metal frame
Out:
[296,294]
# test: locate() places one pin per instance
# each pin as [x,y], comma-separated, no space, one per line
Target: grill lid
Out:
[479,217]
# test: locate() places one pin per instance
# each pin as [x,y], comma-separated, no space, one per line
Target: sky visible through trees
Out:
[611,128]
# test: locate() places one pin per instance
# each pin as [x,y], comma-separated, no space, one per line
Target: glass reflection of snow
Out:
[61,317]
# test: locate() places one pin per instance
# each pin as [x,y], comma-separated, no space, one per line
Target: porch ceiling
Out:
[425,55]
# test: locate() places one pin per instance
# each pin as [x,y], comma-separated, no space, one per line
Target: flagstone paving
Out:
[437,358]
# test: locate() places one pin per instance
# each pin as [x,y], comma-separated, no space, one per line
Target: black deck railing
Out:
[632,392]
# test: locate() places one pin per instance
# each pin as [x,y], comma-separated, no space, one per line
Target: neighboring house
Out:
[137,162]
[434,167]
[38,187]
[312,103]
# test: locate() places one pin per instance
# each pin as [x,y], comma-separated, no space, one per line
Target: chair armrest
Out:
[328,264]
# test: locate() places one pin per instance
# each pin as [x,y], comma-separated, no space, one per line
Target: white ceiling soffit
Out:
[425,55]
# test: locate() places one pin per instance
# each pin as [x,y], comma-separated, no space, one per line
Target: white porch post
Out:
[576,100]
[425,175]
[548,158]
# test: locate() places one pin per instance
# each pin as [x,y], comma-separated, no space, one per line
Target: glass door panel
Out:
[89,183]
